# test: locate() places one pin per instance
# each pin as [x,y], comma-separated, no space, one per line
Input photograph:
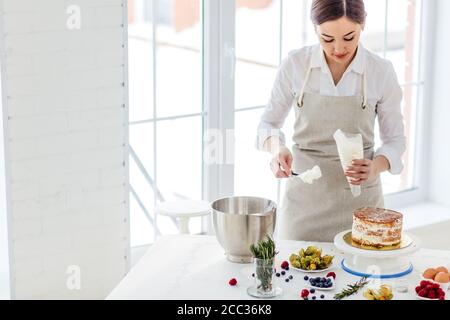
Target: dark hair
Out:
[329,10]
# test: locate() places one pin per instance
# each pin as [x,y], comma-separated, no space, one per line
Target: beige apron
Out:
[319,211]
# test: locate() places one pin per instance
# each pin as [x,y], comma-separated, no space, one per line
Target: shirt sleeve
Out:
[278,106]
[390,119]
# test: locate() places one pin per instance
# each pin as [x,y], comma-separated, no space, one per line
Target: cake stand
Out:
[380,264]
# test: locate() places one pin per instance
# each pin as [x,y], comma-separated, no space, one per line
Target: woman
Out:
[336,84]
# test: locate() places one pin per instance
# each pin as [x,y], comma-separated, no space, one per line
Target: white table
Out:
[195,268]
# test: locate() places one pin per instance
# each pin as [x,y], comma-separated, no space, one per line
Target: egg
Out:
[442,277]
[441,269]
[429,273]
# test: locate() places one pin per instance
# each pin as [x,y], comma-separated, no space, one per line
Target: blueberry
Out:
[320,285]
[277,274]
[322,296]
[283,273]
[306,278]
[291,277]
[312,290]
[253,275]
[287,280]
[314,297]
[287,268]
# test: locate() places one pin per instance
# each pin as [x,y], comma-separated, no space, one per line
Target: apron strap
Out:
[308,73]
[364,91]
[302,92]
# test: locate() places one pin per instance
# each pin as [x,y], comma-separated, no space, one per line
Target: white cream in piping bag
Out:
[350,147]
[311,175]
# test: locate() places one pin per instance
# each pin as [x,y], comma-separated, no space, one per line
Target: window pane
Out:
[257,50]
[178,75]
[252,174]
[141,140]
[140,63]
[141,230]
[405,181]
[179,60]
[402,38]
[403,42]
[373,36]
[179,162]
[294,17]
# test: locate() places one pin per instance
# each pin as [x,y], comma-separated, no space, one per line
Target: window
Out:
[179,67]
[166,113]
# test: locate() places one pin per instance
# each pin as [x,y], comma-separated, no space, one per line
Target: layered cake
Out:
[377,228]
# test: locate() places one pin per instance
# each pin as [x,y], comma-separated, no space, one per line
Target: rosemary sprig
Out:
[264,250]
[352,289]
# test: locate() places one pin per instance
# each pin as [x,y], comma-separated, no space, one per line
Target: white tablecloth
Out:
[190,267]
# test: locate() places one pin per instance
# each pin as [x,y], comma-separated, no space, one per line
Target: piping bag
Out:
[350,147]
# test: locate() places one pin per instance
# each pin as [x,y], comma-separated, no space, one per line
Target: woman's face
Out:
[339,39]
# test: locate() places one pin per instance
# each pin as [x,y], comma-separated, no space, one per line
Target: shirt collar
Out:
[357,65]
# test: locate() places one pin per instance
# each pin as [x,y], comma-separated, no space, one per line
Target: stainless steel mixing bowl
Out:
[240,222]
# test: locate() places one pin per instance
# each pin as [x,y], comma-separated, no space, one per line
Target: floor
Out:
[137,253]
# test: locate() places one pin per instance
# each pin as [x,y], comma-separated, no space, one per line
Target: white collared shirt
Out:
[383,90]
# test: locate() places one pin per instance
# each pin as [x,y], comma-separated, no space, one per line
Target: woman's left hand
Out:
[360,171]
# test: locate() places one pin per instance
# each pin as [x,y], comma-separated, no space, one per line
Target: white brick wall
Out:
[65,125]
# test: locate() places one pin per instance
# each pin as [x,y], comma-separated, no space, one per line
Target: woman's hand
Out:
[281,164]
[361,171]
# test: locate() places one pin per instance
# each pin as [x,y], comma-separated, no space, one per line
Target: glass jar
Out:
[264,277]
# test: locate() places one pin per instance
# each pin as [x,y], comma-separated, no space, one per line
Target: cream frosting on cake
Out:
[378,228]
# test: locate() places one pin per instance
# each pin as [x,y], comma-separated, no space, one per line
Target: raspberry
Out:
[284,265]
[429,287]
[232,282]
[418,288]
[436,286]
[331,274]
[423,293]
[431,295]
[424,283]
[442,297]
[440,291]
[304,293]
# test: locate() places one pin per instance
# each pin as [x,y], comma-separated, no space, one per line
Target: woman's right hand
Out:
[281,163]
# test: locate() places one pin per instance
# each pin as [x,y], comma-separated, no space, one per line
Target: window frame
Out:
[218,103]
[419,192]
